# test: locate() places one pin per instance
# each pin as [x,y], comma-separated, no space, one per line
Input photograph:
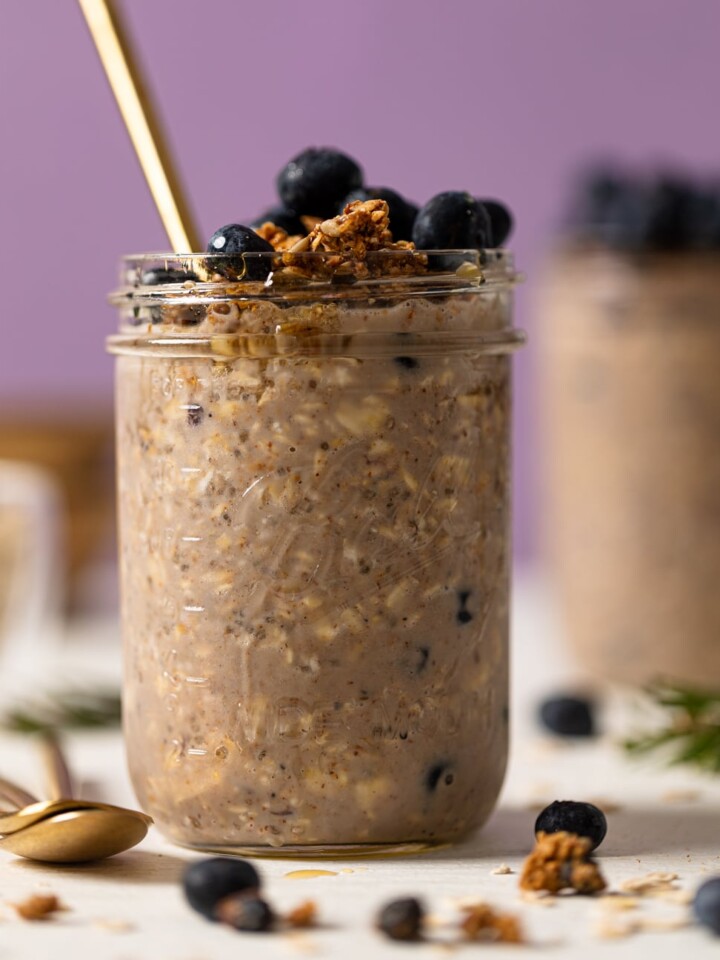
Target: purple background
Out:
[500,98]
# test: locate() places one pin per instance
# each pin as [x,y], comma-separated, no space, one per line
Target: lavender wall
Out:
[496,97]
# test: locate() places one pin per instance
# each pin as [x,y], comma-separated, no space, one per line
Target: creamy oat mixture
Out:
[315,570]
[630,349]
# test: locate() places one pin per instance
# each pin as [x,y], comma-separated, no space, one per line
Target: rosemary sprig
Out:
[65,710]
[691,734]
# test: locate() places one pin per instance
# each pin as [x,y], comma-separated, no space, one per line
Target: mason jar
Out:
[314,484]
[631,393]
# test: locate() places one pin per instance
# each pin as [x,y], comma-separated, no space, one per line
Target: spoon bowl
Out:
[78,836]
[11,823]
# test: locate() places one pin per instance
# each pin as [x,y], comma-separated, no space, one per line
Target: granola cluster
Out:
[350,241]
[562,861]
[481,922]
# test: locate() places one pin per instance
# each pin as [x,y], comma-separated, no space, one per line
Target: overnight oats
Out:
[313,446]
[630,336]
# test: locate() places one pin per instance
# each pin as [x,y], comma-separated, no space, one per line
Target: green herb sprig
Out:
[65,710]
[692,732]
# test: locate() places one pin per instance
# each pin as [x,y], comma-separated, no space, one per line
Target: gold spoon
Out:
[64,830]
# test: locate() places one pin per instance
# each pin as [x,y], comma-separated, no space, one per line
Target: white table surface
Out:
[131,907]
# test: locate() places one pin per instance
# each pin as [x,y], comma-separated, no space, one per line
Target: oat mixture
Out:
[315,558]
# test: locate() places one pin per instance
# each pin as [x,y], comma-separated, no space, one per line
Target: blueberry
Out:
[706,904]
[195,414]
[234,239]
[501,222]
[245,912]
[667,215]
[402,919]
[438,773]
[315,181]
[410,363]
[570,816]
[158,275]
[452,221]
[282,217]
[402,212]
[608,208]
[206,882]
[463,614]
[568,716]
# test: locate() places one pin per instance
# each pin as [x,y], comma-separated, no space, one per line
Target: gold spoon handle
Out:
[125,77]
[60,785]
[15,795]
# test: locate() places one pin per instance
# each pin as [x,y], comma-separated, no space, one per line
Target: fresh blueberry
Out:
[463,614]
[232,240]
[706,904]
[501,222]
[667,222]
[568,716]
[401,919]
[282,217]
[402,212]
[570,816]
[245,912]
[608,208]
[207,882]
[453,220]
[158,275]
[410,363]
[437,774]
[315,181]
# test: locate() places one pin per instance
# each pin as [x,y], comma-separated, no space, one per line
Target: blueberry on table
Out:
[568,716]
[571,816]
[401,919]
[453,220]
[315,181]
[245,912]
[207,882]
[402,213]
[501,221]
[706,904]
[282,217]
[232,240]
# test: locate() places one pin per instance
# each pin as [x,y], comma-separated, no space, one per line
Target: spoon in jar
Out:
[65,830]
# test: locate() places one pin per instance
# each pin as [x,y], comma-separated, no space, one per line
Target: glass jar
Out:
[629,345]
[314,521]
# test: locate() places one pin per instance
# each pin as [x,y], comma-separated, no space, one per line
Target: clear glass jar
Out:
[314,522]
[630,385]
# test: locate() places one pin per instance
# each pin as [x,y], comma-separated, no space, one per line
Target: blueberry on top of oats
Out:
[501,221]
[207,882]
[158,275]
[576,817]
[315,181]
[282,217]
[234,239]
[453,220]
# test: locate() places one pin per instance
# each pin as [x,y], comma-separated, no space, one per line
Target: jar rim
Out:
[192,277]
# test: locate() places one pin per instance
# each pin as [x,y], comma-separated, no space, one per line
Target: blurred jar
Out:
[630,341]
[31,572]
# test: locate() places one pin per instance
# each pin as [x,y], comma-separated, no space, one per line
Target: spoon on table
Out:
[64,830]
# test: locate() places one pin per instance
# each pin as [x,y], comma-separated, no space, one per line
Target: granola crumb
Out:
[278,238]
[617,902]
[612,930]
[303,916]
[481,922]
[501,871]
[651,884]
[115,926]
[38,906]
[560,861]
[680,796]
